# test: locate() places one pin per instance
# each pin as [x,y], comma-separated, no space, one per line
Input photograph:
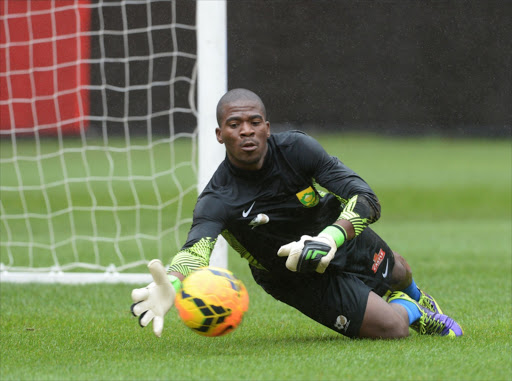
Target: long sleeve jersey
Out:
[299,190]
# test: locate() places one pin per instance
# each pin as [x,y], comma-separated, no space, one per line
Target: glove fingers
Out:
[324,262]
[132,307]
[139,294]
[157,270]
[289,248]
[158,325]
[291,263]
[284,251]
[321,268]
[139,308]
[146,318]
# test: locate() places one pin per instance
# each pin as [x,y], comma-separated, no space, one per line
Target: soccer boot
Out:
[429,302]
[430,323]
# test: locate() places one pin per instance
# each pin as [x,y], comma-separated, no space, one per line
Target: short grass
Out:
[446,208]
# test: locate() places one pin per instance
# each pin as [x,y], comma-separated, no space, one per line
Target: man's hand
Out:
[309,254]
[155,300]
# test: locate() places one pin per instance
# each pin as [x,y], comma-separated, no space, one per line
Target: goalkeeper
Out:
[310,249]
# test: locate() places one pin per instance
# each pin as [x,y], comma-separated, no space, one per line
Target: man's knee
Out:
[402,274]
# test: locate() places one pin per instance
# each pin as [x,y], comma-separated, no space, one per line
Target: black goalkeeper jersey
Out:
[259,211]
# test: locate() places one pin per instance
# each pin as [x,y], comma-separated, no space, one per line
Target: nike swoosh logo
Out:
[385,273]
[246,213]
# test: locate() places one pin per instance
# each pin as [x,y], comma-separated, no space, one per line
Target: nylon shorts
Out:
[336,299]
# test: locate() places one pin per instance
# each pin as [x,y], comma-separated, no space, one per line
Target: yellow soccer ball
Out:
[212,301]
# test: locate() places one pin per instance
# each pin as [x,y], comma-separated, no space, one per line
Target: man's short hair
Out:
[235,95]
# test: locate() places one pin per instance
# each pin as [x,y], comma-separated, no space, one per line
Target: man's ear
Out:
[268,129]
[219,137]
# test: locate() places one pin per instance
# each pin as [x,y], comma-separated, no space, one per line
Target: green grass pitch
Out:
[446,207]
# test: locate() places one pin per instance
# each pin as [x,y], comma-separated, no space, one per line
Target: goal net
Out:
[99,133]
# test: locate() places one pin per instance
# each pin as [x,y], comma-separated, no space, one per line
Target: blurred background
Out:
[409,67]
[394,67]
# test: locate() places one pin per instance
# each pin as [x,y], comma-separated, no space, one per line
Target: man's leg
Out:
[425,315]
[383,320]
[391,320]
[402,280]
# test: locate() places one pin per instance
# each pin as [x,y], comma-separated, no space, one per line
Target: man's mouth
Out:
[249,145]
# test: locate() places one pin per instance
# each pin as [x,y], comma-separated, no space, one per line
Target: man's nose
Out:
[246,129]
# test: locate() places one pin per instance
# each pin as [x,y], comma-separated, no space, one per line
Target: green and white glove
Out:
[313,253]
[152,302]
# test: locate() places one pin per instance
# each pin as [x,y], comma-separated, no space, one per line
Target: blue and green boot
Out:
[429,302]
[430,323]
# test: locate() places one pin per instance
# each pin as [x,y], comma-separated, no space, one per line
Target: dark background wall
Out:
[406,67]
[391,66]
[135,76]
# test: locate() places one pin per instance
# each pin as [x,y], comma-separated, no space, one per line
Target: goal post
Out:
[107,119]
[212,68]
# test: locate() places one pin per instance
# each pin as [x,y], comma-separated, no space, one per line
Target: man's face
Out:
[244,132]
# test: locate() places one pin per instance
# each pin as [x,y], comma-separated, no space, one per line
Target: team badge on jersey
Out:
[342,323]
[308,197]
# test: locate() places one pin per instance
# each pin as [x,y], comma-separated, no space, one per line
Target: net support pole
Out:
[211,16]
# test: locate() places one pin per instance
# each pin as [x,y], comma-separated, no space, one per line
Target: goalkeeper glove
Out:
[313,253]
[152,302]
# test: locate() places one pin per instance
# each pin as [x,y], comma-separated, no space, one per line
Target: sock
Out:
[413,291]
[412,309]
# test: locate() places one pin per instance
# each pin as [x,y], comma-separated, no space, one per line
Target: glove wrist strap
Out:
[176,283]
[337,233]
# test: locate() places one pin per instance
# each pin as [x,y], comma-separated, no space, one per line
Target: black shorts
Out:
[337,299]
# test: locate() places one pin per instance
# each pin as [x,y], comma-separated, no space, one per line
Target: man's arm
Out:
[152,302]
[192,256]
[361,205]
[176,274]
[347,226]
[361,208]
[357,214]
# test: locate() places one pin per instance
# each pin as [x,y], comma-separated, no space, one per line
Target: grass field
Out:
[446,206]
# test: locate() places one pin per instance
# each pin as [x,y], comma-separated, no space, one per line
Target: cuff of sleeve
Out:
[337,233]
[176,283]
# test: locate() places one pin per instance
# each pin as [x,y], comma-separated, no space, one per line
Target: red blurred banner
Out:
[43,45]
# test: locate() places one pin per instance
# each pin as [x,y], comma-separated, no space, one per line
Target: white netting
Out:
[98,128]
